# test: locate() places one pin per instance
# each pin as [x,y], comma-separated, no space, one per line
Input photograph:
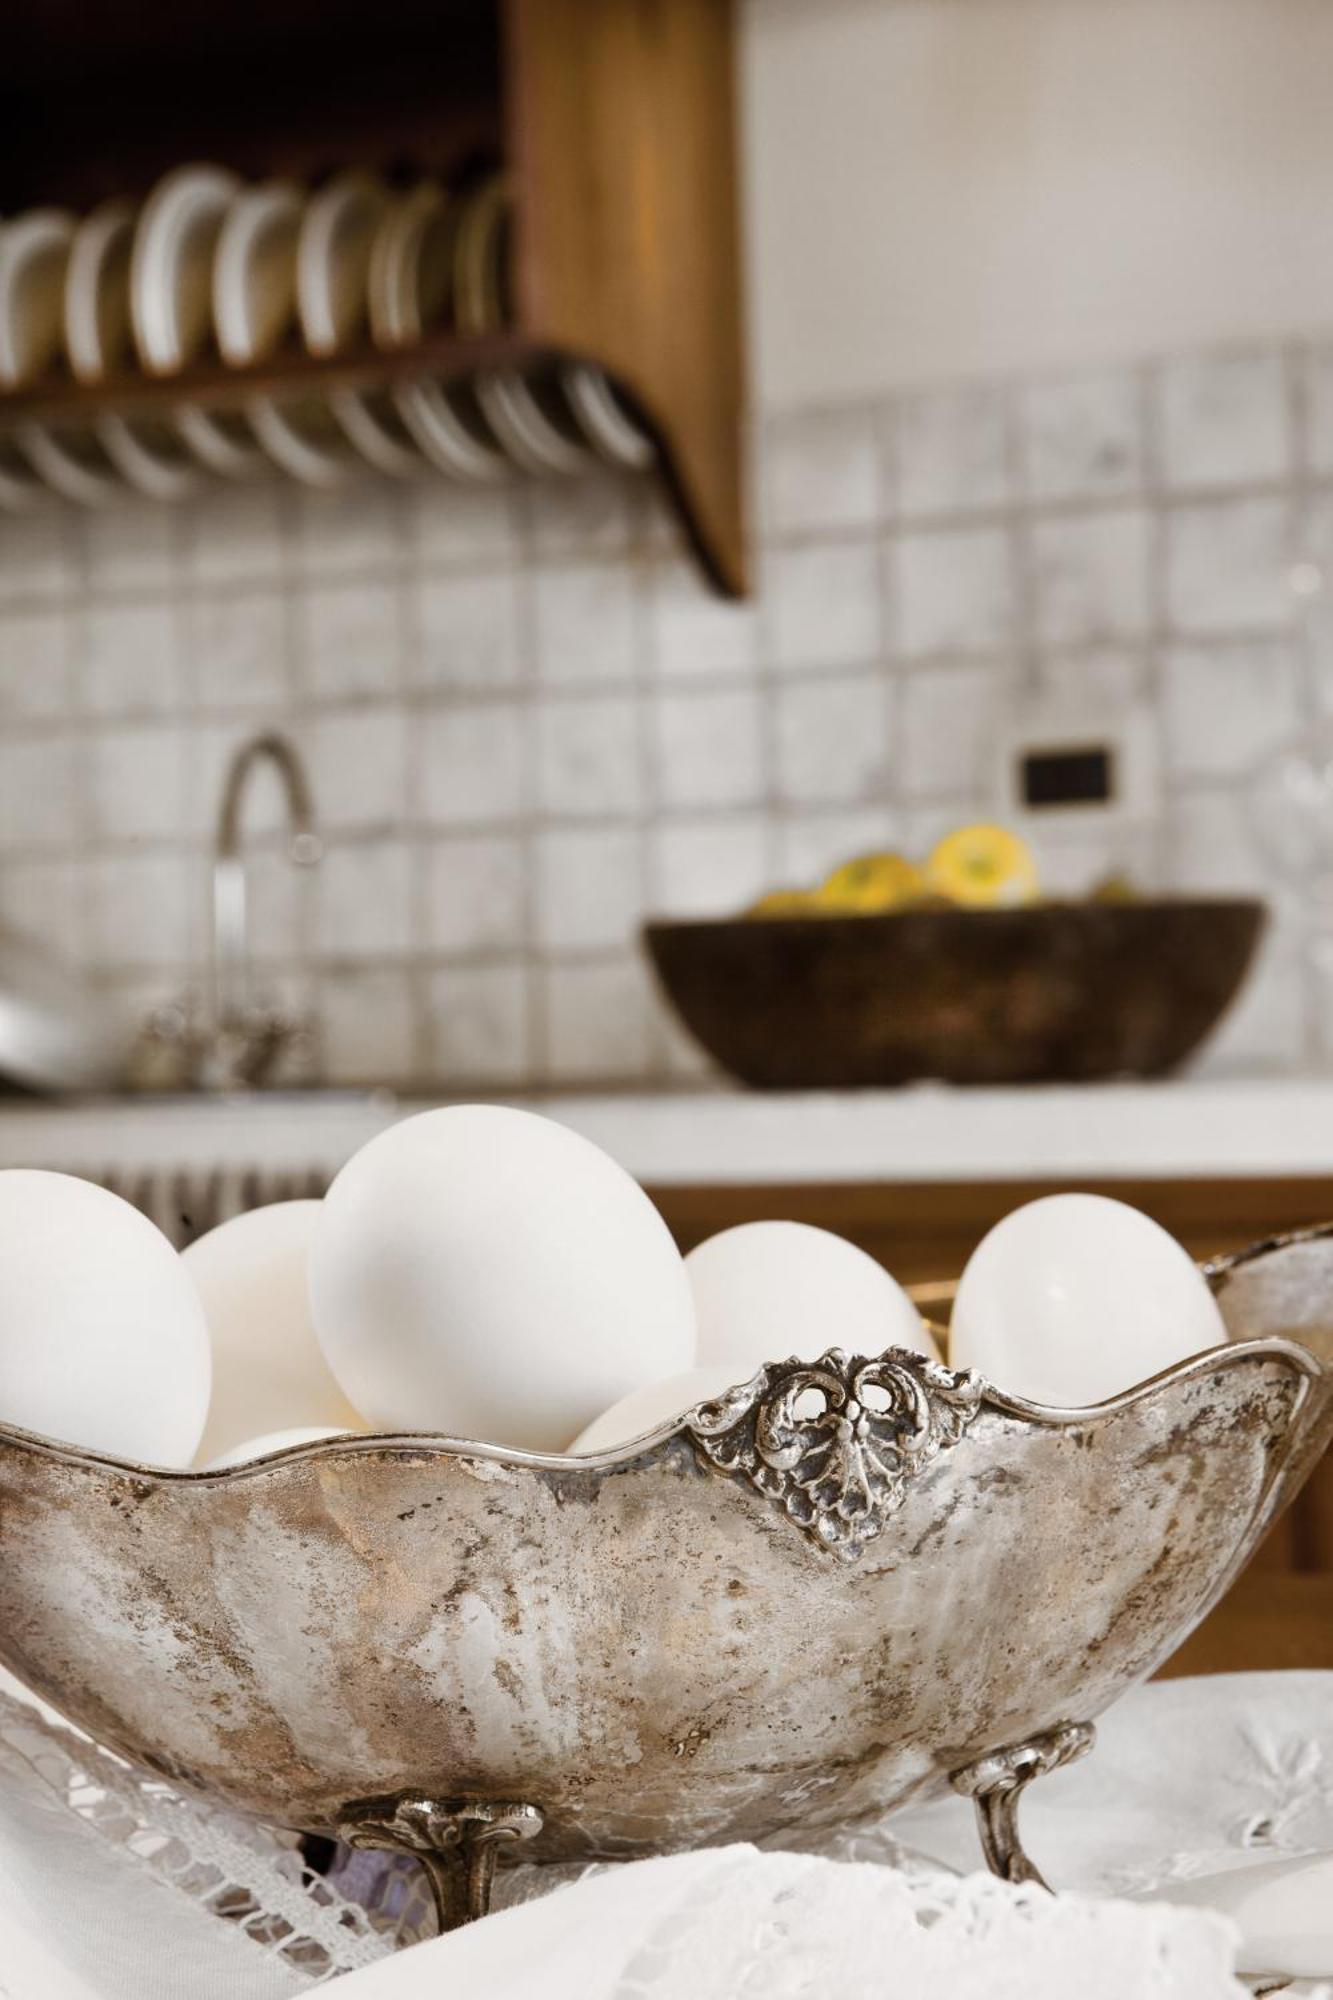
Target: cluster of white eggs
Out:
[488,1274]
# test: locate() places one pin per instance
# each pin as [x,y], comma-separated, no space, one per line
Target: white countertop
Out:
[1207,1128]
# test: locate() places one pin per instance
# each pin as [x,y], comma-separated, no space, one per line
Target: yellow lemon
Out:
[983,867]
[785,903]
[1117,887]
[872,882]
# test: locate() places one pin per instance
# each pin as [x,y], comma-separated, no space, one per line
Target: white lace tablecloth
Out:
[114,1888]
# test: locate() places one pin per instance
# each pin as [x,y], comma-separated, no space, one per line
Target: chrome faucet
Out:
[241,1037]
[245,1036]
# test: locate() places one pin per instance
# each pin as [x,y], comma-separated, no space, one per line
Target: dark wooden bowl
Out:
[1068,991]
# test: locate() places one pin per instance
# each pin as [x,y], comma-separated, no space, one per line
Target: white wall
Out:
[951,187]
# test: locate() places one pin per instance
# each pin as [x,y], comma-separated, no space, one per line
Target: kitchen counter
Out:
[1208,1129]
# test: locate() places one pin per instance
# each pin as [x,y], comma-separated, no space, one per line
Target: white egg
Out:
[1074,1298]
[767,1290]
[489,1273]
[103,1341]
[268,1370]
[644,1409]
[260,1447]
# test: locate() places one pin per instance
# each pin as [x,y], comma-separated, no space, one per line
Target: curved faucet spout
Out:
[277,750]
[231,995]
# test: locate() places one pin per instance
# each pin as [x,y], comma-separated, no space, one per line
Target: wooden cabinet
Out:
[613,120]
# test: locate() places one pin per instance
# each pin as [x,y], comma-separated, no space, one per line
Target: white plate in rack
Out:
[171,267]
[99,339]
[34,256]
[255,314]
[409,283]
[74,465]
[147,452]
[410,291]
[20,488]
[34,262]
[171,303]
[254,272]
[333,257]
[533,425]
[603,417]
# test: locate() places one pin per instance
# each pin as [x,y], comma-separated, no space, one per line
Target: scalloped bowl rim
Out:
[440,1444]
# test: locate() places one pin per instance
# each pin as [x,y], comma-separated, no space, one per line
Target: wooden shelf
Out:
[614,119]
[444,356]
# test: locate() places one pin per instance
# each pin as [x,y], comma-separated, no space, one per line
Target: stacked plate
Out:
[214,268]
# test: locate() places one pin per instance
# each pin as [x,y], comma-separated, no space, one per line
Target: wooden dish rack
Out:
[613,121]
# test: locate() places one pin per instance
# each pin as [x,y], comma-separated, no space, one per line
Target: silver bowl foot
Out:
[457,1842]
[996,1783]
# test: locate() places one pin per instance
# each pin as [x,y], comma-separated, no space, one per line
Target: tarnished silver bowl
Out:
[841,1587]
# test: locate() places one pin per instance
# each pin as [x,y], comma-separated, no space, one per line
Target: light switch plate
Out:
[1083,784]
[1098,767]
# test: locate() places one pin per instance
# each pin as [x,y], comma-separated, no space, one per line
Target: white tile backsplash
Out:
[833,741]
[588,756]
[474,764]
[708,749]
[136,782]
[1318,388]
[239,533]
[39,555]
[597,1021]
[1223,419]
[953,452]
[1090,579]
[1225,707]
[948,724]
[368,1025]
[1083,437]
[349,639]
[588,886]
[476,894]
[142,912]
[1212,847]
[695,633]
[581,517]
[363,901]
[348,532]
[821,470]
[708,867]
[478,1024]
[135,545]
[469,630]
[35,679]
[454,526]
[129,660]
[236,645]
[527,722]
[588,622]
[955,591]
[1227,565]
[358,767]
[1096,677]
[825,604]
[45,899]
